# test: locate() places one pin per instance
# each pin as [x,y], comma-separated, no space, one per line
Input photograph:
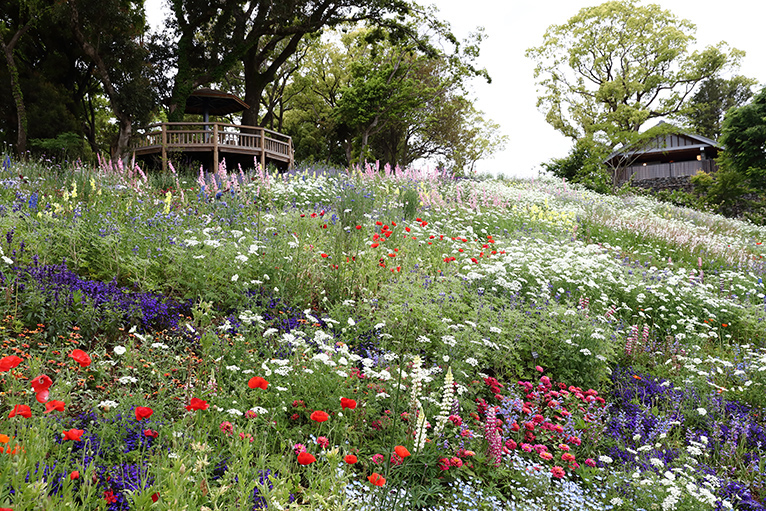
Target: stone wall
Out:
[657,184]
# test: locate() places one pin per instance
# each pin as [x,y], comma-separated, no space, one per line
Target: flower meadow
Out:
[372,338]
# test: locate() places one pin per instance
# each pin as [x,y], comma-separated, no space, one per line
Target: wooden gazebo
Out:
[214,141]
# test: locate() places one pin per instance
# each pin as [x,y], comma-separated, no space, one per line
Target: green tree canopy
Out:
[367,94]
[743,136]
[612,67]
[705,112]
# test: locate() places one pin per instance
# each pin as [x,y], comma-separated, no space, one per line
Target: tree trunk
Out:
[18,96]
[124,119]
[256,79]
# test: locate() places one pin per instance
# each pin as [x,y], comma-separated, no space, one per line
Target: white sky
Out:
[513,26]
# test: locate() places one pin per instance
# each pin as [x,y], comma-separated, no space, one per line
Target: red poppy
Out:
[143,412]
[319,416]
[155,496]
[151,433]
[22,410]
[6,509]
[197,404]
[376,479]
[8,363]
[42,396]
[347,403]
[73,434]
[256,382]
[350,459]
[41,383]
[54,406]
[401,451]
[323,255]
[358,227]
[81,357]
[305,458]
[74,475]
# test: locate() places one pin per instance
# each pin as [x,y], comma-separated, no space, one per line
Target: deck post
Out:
[263,149]
[215,148]
[164,147]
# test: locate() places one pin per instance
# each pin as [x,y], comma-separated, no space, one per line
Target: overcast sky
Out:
[512,27]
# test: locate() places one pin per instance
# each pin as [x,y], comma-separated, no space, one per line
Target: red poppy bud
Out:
[74,475]
[350,459]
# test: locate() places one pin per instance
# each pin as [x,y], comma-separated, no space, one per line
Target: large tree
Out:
[214,37]
[366,94]
[611,68]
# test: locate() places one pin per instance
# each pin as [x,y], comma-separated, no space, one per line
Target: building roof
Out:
[679,140]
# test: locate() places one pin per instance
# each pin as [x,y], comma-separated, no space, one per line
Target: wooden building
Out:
[672,155]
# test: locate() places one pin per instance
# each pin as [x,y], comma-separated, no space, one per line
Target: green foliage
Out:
[705,112]
[722,191]
[584,165]
[744,139]
[65,146]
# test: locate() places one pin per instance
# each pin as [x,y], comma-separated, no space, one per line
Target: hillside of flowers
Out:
[372,338]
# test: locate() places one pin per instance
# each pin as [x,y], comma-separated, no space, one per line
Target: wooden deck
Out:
[213,142]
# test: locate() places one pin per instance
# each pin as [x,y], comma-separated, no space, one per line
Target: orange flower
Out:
[4,439]
[350,459]
[376,479]
[197,404]
[305,458]
[22,410]
[9,362]
[81,357]
[54,406]
[401,451]
[347,403]
[143,412]
[256,382]
[73,434]
[319,416]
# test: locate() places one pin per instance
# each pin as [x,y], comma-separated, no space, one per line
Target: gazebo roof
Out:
[207,101]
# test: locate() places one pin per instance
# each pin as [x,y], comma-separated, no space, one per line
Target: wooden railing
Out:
[658,170]
[216,137]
